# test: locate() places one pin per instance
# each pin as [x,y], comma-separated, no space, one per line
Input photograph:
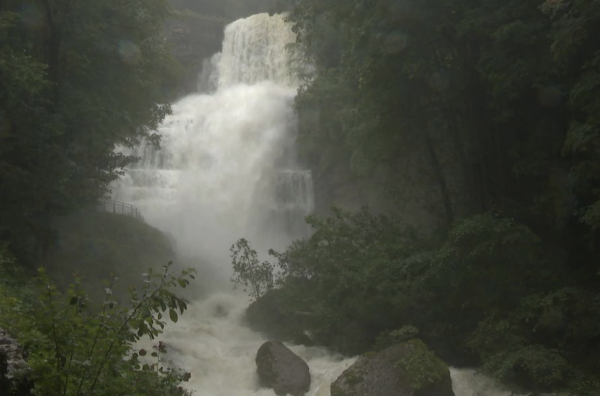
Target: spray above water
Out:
[227,170]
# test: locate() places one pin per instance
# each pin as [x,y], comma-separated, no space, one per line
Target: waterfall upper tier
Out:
[256,49]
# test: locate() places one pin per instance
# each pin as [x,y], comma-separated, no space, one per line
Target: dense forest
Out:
[476,124]
[478,121]
[78,79]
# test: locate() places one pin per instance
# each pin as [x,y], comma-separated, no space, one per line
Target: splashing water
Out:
[211,342]
[227,170]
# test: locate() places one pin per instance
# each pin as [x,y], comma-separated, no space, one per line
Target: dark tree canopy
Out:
[77,80]
[480,120]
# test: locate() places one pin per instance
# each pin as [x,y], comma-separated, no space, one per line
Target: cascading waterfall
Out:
[227,156]
[227,170]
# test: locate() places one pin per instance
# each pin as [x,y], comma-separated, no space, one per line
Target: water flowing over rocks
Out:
[383,374]
[282,370]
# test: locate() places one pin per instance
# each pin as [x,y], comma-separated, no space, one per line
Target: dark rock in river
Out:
[282,370]
[14,370]
[407,369]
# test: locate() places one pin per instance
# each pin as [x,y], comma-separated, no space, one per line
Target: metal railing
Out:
[122,208]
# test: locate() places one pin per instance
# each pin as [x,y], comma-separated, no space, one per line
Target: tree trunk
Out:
[439,176]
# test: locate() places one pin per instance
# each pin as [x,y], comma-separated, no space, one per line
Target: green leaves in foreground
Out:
[74,351]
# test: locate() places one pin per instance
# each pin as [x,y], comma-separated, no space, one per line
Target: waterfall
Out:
[226,169]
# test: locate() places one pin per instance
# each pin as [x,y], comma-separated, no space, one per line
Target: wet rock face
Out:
[407,369]
[14,370]
[281,370]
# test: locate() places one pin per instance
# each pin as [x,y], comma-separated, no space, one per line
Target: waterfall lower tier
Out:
[210,342]
[218,176]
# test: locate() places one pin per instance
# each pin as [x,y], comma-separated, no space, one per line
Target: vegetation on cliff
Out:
[484,294]
[97,246]
[75,81]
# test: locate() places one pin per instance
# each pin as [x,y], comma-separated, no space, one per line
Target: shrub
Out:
[248,271]
[73,350]
[421,366]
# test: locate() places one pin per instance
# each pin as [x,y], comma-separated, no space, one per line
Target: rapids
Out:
[226,169]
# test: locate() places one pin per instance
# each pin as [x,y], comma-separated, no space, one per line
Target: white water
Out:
[227,167]
[227,170]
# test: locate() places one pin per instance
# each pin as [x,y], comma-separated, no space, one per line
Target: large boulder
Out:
[14,370]
[406,369]
[282,370]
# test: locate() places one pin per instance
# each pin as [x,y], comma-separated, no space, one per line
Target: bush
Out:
[421,366]
[248,271]
[387,338]
[73,351]
[482,295]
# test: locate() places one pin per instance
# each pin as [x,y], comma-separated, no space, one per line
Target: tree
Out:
[483,114]
[74,349]
[248,271]
[78,80]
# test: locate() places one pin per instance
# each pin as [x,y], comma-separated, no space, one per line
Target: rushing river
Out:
[227,170]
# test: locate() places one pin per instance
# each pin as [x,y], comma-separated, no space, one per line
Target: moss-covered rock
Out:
[406,369]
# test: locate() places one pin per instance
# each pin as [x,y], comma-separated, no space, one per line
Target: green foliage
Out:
[480,295]
[421,367]
[73,351]
[76,81]
[536,366]
[248,271]
[341,278]
[575,24]
[387,338]
[477,266]
[469,104]
[483,115]
[16,283]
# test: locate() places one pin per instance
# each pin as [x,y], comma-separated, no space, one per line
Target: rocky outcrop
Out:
[407,369]
[196,32]
[194,39]
[282,370]
[14,370]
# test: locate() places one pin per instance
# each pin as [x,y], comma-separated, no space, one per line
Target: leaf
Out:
[173,315]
